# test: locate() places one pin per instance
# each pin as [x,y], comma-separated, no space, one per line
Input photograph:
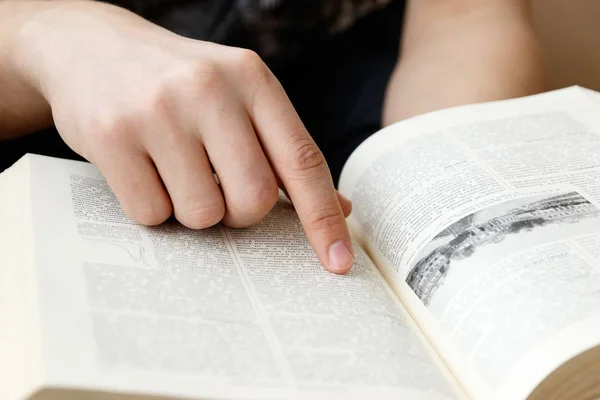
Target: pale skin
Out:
[156,112]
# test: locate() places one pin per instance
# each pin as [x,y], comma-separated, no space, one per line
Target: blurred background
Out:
[570,35]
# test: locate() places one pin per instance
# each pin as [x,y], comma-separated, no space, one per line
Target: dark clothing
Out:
[279,30]
[338,89]
[337,86]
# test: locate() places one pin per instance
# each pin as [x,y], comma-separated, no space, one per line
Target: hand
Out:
[155,112]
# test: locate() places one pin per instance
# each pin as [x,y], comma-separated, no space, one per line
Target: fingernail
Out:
[340,258]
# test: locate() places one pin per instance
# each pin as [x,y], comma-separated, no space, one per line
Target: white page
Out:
[455,205]
[20,353]
[189,313]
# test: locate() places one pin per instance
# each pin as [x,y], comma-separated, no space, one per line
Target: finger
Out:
[345,204]
[247,181]
[302,168]
[135,182]
[185,169]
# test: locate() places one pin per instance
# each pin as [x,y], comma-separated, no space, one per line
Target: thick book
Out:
[477,275]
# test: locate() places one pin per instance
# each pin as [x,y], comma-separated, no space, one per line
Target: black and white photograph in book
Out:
[525,217]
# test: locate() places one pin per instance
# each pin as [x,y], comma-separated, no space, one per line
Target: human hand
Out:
[156,112]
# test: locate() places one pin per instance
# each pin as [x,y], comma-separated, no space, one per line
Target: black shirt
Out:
[278,30]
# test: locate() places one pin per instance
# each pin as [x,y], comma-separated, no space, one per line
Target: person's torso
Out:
[277,29]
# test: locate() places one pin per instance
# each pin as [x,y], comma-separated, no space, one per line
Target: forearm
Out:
[23,109]
[460,52]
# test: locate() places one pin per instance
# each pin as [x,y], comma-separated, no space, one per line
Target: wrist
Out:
[33,42]
[16,69]
[23,108]
[61,39]
[44,36]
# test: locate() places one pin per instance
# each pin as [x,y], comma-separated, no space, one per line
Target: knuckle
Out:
[327,219]
[248,57]
[160,105]
[253,67]
[258,199]
[152,215]
[305,160]
[262,196]
[206,78]
[193,78]
[113,131]
[201,215]
[158,111]
[250,60]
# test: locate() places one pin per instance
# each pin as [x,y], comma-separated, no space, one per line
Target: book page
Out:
[20,353]
[218,313]
[486,220]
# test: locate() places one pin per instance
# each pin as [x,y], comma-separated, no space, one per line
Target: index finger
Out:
[302,169]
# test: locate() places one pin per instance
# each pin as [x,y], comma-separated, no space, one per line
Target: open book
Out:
[477,275]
